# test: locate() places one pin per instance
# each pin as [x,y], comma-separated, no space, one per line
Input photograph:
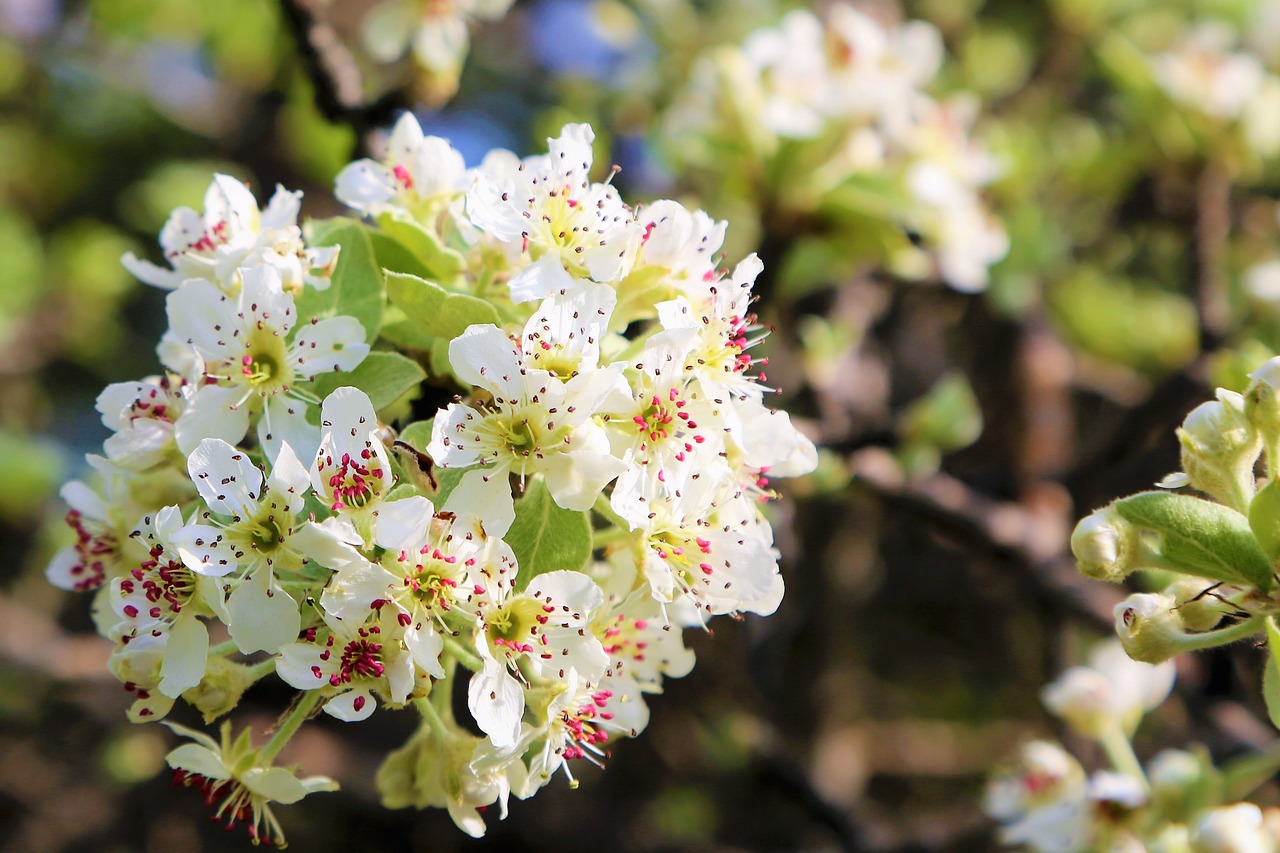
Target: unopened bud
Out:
[1149,627]
[220,690]
[1231,829]
[1081,696]
[1198,607]
[1220,447]
[1178,778]
[1105,546]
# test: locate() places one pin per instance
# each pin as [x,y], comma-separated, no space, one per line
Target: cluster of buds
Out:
[1179,802]
[594,488]
[1222,552]
[840,105]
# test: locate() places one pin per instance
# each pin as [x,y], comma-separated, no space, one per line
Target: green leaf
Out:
[394,256]
[1271,676]
[436,311]
[357,288]
[443,262]
[1201,538]
[545,537]
[384,376]
[1264,518]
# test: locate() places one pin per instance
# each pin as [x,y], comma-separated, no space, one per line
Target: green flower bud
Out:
[1198,609]
[220,690]
[1105,546]
[1262,404]
[1180,782]
[1149,627]
[1219,449]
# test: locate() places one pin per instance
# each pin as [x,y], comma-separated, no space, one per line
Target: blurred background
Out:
[930,589]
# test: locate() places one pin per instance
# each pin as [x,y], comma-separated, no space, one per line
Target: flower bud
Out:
[1045,773]
[1231,829]
[1178,779]
[1081,696]
[1149,627]
[1262,401]
[1197,610]
[1105,546]
[1219,447]
[220,690]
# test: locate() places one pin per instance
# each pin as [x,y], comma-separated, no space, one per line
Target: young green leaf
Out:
[443,262]
[1200,537]
[357,288]
[1271,675]
[435,310]
[1264,518]
[546,538]
[384,376]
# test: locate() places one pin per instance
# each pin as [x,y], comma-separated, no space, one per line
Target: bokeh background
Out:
[930,589]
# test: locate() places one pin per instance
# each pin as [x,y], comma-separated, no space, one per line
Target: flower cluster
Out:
[840,106]
[539,544]
[1178,803]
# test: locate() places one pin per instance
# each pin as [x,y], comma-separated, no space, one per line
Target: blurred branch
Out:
[1000,531]
[335,76]
[1212,227]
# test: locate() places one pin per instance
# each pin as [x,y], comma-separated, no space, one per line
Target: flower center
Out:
[514,627]
[583,727]
[361,658]
[356,481]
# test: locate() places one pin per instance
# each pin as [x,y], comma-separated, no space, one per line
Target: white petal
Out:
[352,591]
[425,645]
[204,550]
[541,279]
[300,666]
[402,524]
[322,545]
[274,783]
[497,703]
[185,656]
[485,493]
[225,477]
[198,759]
[213,412]
[483,355]
[263,616]
[575,480]
[285,422]
[567,589]
[344,707]
[335,344]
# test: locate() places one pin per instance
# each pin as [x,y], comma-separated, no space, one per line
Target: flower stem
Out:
[1120,752]
[463,655]
[288,725]
[1245,774]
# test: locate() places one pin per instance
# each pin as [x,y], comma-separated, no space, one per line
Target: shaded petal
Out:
[263,616]
[497,703]
[225,477]
[185,656]
[345,708]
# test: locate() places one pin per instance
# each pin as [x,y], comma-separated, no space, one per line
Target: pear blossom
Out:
[351,661]
[1203,72]
[254,530]
[430,566]
[238,783]
[142,417]
[233,233]
[351,470]
[416,172]
[1113,690]
[161,597]
[536,424]
[790,61]
[571,228]
[95,556]
[251,357]
[543,628]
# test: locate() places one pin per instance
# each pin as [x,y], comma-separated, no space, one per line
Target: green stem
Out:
[289,724]
[1243,775]
[463,655]
[431,716]
[1210,639]
[262,669]
[226,647]
[1120,752]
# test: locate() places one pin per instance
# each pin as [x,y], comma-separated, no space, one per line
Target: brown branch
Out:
[335,77]
[1001,531]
